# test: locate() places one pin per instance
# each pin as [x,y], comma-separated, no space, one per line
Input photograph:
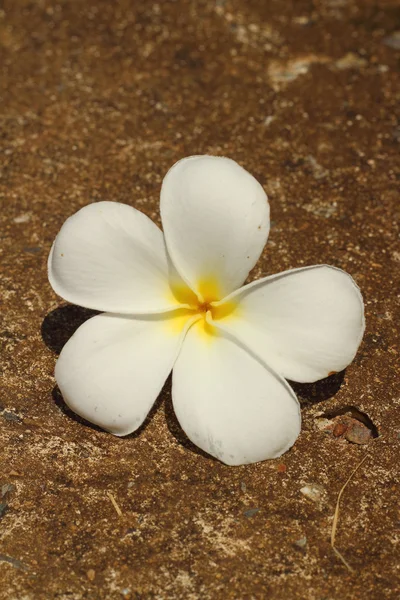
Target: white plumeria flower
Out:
[174,301]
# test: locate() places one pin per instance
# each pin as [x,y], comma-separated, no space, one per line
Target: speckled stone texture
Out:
[98,100]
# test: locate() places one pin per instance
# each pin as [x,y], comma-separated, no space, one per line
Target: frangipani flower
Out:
[173,300]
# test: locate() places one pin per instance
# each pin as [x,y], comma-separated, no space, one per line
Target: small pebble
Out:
[339,429]
[22,218]
[393,41]
[302,542]
[11,417]
[358,433]
[251,512]
[268,120]
[6,488]
[313,492]
[351,61]
[91,574]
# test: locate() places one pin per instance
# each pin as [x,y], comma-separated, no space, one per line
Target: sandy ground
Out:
[98,100]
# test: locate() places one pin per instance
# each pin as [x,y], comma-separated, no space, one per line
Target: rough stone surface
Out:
[98,100]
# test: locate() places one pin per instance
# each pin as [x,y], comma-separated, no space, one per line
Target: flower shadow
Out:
[319,391]
[60,324]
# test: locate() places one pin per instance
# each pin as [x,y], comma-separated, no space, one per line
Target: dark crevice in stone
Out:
[354,413]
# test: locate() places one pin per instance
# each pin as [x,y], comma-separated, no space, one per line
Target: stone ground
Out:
[98,100]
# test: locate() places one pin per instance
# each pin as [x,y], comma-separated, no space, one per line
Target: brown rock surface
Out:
[98,100]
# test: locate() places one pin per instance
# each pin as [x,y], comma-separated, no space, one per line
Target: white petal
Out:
[112,369]
[215,218]
[306,323]
[229,404]
[111,257]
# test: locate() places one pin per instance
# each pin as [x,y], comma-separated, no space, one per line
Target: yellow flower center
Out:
[205,305]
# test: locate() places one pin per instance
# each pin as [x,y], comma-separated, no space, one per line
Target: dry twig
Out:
[114,503]
[336,516]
